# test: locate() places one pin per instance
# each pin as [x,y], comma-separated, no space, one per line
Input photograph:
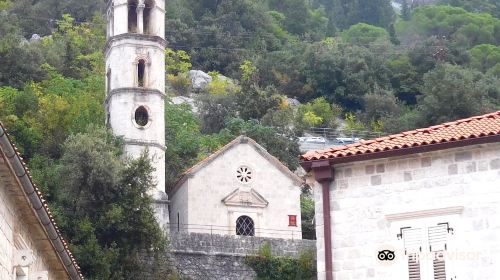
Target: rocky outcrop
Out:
[199,79]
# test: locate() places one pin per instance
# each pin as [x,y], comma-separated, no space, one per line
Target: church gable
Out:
[245,198]
[247,153]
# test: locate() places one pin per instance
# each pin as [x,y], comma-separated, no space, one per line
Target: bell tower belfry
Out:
[135,84]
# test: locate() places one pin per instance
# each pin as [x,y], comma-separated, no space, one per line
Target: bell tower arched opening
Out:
[141,72]
[148,16]
[132,16]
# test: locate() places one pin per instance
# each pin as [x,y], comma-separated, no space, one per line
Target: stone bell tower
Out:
[135,84]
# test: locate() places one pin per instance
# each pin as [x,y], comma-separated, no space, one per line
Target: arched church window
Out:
[147,17]
[141,71]
[245,226]
[141,116]
[132,16]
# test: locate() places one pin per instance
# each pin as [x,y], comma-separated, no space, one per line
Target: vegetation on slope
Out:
[379,69]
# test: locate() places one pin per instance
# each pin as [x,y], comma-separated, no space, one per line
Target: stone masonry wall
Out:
[204,256]
[367,197]
[12,223]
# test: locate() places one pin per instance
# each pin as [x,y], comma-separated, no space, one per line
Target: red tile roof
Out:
[39,205]
[461,131]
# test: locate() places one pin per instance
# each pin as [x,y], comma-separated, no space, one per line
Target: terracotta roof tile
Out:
[470,128]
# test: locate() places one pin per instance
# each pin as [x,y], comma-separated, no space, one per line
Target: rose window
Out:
[244,174]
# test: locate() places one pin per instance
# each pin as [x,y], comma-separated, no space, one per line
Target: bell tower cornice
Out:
[136,39]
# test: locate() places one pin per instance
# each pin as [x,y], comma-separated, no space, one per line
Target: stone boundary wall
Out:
[205,256]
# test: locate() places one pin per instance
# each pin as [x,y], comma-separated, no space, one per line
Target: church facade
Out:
[239,190]
[31,246]
[420,205]
[135,84]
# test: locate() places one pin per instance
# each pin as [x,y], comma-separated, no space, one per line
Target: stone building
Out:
[31,247]
[419,205]
[135,84]
[239,190]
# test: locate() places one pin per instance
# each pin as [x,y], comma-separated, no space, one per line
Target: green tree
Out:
[104,206]
[307,211]
[380,104]
[343,74]
[183,139]
[38,17]
[465,92]
[319,113]
[248,72]
[300,18]
[374,12]
[484,57]
[363,34]
[353,124]
[177,65]
[468,29]
[269,267]
[405,79]
[280,143]
[5,4]
[254,102]
[481,6]
[405,10]
[177,62]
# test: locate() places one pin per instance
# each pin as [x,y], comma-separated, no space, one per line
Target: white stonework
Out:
[135,83]
[373,201]
[12,227]
[211,197]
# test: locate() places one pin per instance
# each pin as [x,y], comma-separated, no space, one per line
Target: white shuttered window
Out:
[425,248]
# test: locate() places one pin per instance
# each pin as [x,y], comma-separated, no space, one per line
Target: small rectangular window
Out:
[292,220]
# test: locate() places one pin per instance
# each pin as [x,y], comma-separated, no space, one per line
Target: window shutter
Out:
[439,266]
[438,238]
[413,240]
[413,246]
[414,267]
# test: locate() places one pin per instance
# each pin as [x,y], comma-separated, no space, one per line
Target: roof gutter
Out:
[323,173]
[39,205]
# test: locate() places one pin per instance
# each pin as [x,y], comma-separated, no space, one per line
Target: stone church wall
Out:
[205,256]
[215,181]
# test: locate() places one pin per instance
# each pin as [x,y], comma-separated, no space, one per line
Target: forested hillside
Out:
[380,68]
